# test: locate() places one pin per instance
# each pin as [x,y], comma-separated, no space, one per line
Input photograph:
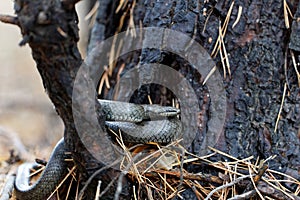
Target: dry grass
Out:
[170,179]
[220,45]
[159,174]
[295,67]
[286,13]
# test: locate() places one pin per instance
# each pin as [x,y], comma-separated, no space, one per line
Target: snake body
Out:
[138,124]
[55,171]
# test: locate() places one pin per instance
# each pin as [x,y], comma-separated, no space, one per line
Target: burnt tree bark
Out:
[256,47]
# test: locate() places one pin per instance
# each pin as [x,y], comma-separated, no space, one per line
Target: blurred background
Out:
[25,109]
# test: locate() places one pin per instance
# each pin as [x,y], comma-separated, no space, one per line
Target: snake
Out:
[137,124]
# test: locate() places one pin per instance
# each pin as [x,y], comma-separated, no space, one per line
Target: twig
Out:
[280,109]
[166,184]
[122,4]
[226,56]
[222,58]
[192,176]
[108,186]
[206,21]
[98,190]
[134,193]
[77,188]
[93,11]
[9,19]
[240,10]
[246,195]
[94,175]
[104,79]
[69,188]
[282,174]
[123,173]
[8,187]
[224,29]
[181,170]
[253,182]
[209,74]
[60,184]
[285,69]
[295,67]
[286,13]
[277,188]
[131,25]
[226,185]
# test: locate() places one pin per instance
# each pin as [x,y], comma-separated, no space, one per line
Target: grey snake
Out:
[138,124]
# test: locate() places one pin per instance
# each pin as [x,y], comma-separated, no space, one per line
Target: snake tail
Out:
[55,171]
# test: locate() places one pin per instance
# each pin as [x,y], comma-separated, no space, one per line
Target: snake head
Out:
[156,111]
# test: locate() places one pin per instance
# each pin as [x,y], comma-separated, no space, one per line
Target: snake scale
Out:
[138,124]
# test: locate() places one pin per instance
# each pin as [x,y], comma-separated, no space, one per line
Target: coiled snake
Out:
[138,124]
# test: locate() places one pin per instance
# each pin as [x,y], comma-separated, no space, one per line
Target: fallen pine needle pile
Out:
[169,171]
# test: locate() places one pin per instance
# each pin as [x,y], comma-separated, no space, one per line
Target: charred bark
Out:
[257,45]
